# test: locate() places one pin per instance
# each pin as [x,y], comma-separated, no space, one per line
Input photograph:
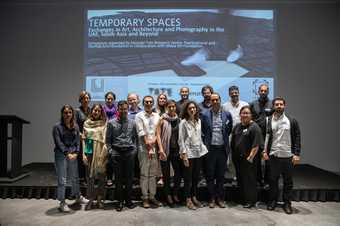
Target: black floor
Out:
[310,184]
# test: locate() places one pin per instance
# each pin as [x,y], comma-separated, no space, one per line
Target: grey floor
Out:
[24,212]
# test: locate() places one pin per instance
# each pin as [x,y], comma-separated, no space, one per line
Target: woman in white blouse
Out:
[191,150]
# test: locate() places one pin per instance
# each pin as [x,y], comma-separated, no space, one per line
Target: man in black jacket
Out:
[282,149]
[260,109]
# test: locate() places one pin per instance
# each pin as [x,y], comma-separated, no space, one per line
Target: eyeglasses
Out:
[148,102]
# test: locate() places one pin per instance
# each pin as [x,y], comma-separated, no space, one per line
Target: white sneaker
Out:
[81,200]
[63,207]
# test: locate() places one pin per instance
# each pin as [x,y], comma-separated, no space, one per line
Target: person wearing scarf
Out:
[167,135]
[95,154]
[110,107]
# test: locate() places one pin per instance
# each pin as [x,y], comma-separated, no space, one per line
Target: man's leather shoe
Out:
[287,207]
[119,207]
[271,205]
[130,205]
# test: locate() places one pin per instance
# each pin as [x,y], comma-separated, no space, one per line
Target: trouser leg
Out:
[144,164]
[221,161]
[128,169]
[197,162]
[287,173]
[73,175]
[117,164]
[248,175]
[211,166]
[177,165]
[275,171]
[188,179]
[165,165]
[61,170]
[153,172]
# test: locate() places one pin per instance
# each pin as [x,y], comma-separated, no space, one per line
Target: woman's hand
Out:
[185,159]
[85,160]
[72,156]
[162,155]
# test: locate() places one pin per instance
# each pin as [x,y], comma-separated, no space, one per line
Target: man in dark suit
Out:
[216,127]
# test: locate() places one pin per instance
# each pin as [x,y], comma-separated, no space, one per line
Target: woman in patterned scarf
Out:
[95,154]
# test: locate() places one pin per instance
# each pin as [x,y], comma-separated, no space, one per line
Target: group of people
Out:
[194,140]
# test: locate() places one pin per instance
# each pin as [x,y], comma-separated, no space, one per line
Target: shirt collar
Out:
[279,118]
[149,115]
[235,105]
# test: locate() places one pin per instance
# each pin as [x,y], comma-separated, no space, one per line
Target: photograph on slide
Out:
[152,51]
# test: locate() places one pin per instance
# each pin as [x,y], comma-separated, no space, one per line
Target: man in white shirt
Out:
[282,150]
[233,106]
[146,124]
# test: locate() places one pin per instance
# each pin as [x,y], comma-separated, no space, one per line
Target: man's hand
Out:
[250,159]
[265,155]
[296,159]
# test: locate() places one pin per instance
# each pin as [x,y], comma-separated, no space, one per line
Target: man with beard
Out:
[216,128]
[260,109]
[205,105]
[282,149]
[184,93]
[146,124]
[233,106]
[121,141]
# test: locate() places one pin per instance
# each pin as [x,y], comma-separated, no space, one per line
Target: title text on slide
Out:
[134,22]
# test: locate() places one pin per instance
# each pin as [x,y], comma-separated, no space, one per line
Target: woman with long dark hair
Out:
[160,109]
[191,149]
[66,150]
[95,154]
[161,104]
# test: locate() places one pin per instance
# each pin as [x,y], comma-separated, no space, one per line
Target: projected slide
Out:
[150,51]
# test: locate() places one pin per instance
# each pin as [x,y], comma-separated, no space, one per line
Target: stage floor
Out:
[32,212]
[310,184]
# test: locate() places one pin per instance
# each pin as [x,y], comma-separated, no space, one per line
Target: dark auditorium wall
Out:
[41,50]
